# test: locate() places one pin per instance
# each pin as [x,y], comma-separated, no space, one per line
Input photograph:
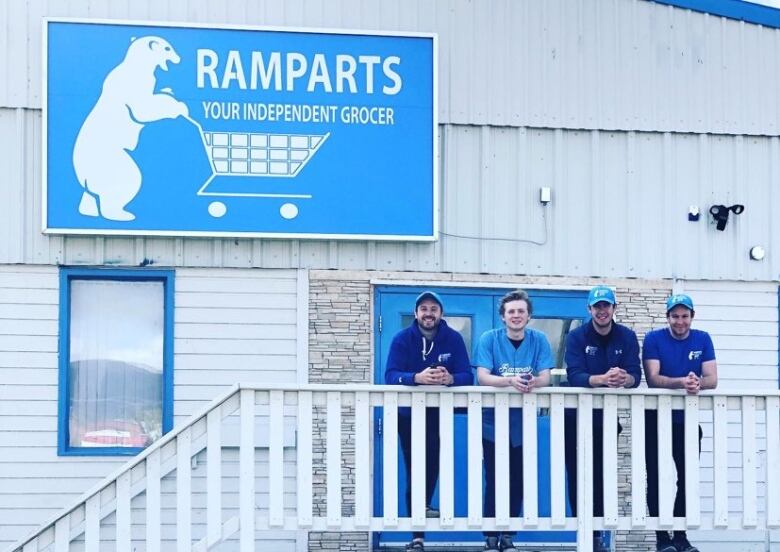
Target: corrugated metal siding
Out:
[592,64]
[230,326]
[620,203]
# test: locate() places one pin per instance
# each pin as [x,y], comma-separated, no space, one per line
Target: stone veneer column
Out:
[641,309]
[339,352]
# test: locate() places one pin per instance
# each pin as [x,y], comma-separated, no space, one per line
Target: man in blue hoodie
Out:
[600,353]
[428,352]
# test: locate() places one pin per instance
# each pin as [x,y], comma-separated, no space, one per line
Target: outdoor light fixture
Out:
[720,213]
[757,253]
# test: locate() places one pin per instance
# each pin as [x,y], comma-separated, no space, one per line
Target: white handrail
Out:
[333,422]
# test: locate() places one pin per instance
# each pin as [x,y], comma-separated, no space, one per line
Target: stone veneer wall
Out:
[641,309]
[340,347]
[339,352]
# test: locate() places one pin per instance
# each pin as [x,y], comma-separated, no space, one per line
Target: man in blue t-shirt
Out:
[600,353]
[519,357]
[675,357]
[428,352]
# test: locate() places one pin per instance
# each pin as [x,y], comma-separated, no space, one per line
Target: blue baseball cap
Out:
[433,296]
[601,293]
[679,299]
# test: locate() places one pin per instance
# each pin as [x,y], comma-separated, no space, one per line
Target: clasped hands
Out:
[615,378]
[434,375]
[524,383]
[692,384]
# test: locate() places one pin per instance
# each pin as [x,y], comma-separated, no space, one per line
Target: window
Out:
[116,360]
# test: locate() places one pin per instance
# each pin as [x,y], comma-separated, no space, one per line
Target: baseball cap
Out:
[679,299]
[433,296]
[601,293]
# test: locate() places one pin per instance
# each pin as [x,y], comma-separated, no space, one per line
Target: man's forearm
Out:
[543,379]
[708,382]
[666,382]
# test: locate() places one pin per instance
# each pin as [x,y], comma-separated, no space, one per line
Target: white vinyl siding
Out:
[743,321]
[230,325]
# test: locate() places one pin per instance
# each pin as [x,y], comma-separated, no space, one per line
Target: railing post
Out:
[184,491]
[585,473]
[720,453]
[419,454]
[446,461]
[246,468]
[530,463]
[692,501]
[214,477]
[153,502]
[666,473]
[62,534]
[362,459]
[276,459]
[390,459]
[92,524]
[304,459]
[557,460]
[475,460]
[610,461]
[749,455]
[123,537]
[501,460]
[638,482]
[334,459]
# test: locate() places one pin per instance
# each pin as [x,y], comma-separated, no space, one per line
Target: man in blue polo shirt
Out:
[428,352]
[675,357]
[600,353]
[519,357]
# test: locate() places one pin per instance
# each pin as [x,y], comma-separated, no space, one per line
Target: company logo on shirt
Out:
[444,357]
[694,355]
[591,350]
[618,351]
[507,371]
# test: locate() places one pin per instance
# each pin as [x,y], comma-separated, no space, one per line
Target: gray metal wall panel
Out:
[592,64]
[620,202]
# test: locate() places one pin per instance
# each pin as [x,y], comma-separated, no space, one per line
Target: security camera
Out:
[720,214]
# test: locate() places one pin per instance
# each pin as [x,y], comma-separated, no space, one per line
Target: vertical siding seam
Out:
[484,199]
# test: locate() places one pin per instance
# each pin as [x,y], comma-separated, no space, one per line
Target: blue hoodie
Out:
[411,353]
[590,354]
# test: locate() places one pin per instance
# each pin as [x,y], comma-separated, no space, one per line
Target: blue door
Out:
[471,312]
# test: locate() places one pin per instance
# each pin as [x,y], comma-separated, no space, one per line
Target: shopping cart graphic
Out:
[257,155]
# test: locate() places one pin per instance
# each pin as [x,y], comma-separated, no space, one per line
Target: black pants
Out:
[431,456]
[515,483]
[651,463]
[598,460]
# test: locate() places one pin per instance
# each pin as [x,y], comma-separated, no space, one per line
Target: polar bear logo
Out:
[101,158]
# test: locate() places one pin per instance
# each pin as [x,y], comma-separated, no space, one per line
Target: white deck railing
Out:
[274,439]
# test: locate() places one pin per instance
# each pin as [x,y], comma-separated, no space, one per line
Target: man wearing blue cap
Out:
[675,357]
[519,357]
[600,353]
[428,352]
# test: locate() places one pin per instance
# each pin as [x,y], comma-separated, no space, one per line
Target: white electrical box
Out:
[545,195]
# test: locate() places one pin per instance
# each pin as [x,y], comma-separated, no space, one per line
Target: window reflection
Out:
[556,330]
[116,363]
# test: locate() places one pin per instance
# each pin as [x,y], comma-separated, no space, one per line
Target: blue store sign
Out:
[203,131]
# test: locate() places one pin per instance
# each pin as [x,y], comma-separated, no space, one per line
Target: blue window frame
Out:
[115,360]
